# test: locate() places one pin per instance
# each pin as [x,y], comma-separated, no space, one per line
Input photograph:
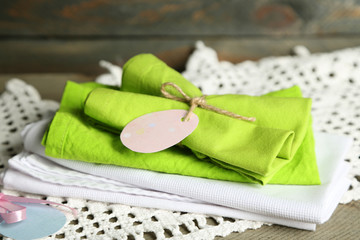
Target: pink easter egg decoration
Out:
[157,131]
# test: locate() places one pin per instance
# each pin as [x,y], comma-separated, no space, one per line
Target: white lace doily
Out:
[20,104]
[332,80]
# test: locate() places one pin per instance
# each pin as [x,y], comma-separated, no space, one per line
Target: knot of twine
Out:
[198,101]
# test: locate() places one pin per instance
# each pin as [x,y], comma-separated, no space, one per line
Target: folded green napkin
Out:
[277,148]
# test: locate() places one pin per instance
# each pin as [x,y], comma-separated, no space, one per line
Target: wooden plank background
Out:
[38,36]
[120,18]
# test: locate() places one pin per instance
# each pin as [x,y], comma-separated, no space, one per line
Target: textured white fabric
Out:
[48,171]
[23,182]
[113,78]
[308,204]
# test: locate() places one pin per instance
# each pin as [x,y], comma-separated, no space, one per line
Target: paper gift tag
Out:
[157,131]
[41,221]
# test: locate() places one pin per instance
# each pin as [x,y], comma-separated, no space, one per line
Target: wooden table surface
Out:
[344,224]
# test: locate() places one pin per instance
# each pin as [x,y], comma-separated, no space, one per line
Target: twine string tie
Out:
[198,102]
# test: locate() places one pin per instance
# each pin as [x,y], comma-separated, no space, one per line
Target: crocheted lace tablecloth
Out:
[332,80]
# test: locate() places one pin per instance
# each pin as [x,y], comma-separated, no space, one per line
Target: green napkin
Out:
[230,142]
[72,135]
[272,140]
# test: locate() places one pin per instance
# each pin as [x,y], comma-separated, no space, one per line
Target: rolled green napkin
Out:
[73,136]
[230,142]
[145,74]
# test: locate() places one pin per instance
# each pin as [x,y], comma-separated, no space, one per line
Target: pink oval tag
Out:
[157,131]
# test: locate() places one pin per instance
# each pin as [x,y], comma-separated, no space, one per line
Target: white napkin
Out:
[22,182]
[295,206]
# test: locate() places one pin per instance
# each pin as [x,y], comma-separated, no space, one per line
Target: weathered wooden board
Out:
[72,36]
[82,56]
[50,86]
[117,18]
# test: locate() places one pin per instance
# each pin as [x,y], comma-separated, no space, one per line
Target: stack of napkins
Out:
[277,148]
[216,171]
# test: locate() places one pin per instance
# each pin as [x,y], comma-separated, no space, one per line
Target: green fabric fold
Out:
[230,141]
[277,148]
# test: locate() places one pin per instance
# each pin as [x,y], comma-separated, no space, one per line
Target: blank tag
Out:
[41,221]
[157,131]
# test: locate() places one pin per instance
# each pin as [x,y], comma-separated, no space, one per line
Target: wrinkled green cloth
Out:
[277,148]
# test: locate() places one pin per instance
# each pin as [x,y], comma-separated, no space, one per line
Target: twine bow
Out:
[198,101]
